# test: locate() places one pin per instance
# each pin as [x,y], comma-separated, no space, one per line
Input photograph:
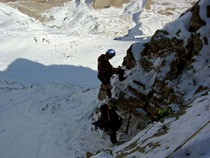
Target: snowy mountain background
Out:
[49,85]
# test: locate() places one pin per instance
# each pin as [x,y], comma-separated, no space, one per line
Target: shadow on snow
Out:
[30,72]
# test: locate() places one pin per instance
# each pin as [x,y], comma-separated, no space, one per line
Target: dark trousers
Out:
[106,82]
[113,137]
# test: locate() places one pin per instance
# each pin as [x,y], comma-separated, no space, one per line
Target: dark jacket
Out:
[110,117]
[109,121]
[105,69]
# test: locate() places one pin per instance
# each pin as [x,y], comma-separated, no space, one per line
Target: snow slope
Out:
[48,77]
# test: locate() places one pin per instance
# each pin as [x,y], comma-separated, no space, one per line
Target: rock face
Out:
[175,56]
[107,3]
[129,60]
[165,73]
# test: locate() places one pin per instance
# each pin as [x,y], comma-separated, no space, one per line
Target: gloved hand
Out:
[116,70]
[121,75]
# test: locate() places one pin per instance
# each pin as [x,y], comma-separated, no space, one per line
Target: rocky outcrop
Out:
[164,77]
[129,60]
[176,55]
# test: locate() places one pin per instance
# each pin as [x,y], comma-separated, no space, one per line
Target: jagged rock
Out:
[177,42]
[161,46]
[196,22]
[158,42]
[146,64]
[184,54]
[129,60]
[176,68]
[160,39]
[159,35]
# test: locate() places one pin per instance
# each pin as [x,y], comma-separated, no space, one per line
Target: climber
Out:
[106,70]
[109,121]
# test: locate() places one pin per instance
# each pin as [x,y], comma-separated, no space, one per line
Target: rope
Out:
[180,81]
[128,123]
[188,139]
[208,33]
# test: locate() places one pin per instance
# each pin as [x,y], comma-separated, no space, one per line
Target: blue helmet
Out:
[111,52]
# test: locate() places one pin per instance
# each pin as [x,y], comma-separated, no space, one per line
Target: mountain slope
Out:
[49,86]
